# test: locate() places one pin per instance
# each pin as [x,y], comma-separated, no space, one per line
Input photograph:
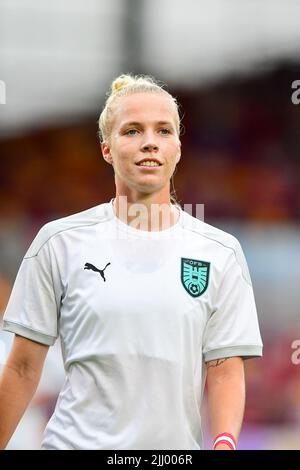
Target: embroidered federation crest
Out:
[194,276]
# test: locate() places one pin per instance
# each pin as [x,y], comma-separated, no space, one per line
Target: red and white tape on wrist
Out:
[225,438]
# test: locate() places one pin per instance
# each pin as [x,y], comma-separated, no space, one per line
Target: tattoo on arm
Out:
[217,362]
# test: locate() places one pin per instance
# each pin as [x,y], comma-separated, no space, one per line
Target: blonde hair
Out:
[125,85]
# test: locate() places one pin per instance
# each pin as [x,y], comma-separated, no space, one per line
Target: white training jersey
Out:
[138,314]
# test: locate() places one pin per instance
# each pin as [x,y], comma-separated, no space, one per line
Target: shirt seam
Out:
[7,321]
[220,243]
[234,347]
[64,230]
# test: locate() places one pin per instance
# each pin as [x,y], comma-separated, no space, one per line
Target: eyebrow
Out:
[136,123]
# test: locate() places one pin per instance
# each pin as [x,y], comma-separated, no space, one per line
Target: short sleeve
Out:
[233,329]
[32,309]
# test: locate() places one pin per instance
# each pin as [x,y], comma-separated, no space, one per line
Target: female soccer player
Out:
[148,301]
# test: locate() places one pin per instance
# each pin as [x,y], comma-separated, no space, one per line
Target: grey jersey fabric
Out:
[138,314]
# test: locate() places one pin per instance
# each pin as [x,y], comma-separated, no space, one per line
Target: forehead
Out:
[144,107]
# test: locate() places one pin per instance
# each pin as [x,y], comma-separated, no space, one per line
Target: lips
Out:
[155,160]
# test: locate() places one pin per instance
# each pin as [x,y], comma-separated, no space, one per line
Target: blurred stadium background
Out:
[231,65]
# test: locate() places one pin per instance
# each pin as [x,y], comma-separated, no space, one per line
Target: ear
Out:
[106,153]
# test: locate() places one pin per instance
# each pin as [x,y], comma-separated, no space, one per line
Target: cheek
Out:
[119,155]
[123,150]
[123,162]
[174,152]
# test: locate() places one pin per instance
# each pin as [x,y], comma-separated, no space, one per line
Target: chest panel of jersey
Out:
[140,308]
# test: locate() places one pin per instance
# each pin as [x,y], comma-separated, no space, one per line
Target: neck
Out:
[146,212]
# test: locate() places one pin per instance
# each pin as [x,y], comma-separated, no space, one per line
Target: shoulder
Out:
[92,216]
[227,243]
[211,233]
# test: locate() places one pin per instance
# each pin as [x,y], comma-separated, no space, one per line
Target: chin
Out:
[149,188]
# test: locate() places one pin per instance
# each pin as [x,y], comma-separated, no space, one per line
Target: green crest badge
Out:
[194,276]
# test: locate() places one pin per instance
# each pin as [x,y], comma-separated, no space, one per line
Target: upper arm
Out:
[222,369]
[27,357]
[232,328]
[33,308]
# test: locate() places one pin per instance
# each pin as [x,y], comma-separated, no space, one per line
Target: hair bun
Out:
[121,82]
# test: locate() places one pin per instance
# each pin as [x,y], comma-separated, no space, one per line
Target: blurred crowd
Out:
[240,157]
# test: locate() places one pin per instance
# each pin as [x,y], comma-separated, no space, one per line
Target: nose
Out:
[149,144]
[149,148]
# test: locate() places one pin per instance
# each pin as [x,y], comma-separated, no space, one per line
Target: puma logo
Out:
[93,268]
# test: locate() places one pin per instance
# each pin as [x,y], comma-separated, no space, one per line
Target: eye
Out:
[131,132]
[165,131]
